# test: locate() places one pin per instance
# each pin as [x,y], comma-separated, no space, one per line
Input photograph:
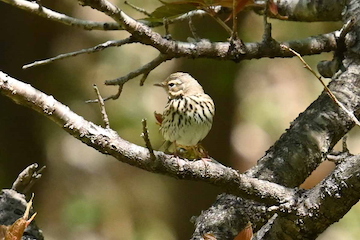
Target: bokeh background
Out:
[86,195]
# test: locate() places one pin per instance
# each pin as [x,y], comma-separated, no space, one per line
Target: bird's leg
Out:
[202,153]
[177,153]
[165,146]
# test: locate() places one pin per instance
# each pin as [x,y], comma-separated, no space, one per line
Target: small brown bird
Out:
[188,115]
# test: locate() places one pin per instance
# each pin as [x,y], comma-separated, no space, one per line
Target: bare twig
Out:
[347,27]
[332,96]
[142,70]
[141,10]
[97,48]
[344,144]
[267,26]
[42,11]
[338,157]
[222,23]
[166,27]
[327,68]
[193,30]
[113,97]
[102,107]
[234,34]
[27,178]
[195,13]
[145,136]
[144,77]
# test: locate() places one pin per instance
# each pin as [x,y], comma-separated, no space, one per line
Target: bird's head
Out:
[180,84]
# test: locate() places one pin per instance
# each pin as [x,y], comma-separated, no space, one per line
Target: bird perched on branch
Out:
[188,115]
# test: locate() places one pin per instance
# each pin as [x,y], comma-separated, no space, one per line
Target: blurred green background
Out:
[86,195]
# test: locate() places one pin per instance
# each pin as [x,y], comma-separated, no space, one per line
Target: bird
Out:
[188,114]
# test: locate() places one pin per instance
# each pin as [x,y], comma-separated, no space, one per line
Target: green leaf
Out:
[170,11]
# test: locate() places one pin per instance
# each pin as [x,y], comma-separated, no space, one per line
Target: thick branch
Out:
[107,141]
[205,48]
[312,135]
[316,209]
[311,11]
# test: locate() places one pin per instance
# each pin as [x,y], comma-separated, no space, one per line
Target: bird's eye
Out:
[171,84]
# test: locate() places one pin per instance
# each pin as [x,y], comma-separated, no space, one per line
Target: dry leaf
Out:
[16,230]
[245,234]
[209,236]
[158,117]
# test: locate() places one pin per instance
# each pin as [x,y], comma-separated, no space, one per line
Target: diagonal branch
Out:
[108,142]
[316,206]
[37,9]
[97,48]
[146,69]
[102,107]
[310,137]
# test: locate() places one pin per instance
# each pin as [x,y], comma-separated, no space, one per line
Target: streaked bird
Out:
[188,115]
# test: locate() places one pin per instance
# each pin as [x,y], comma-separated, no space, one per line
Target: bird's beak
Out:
[159,84]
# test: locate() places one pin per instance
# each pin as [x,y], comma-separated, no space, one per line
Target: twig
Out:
[97,48]
[267,26]
[327,68]
[113,97]
[144,77]
[222,23]
[102,107]
[166,27]
[193,29]
[344,144]
[27,178]
[142,70]
[34,7]
[141,10]
[338,157]
[145,136]
[234,34]
[332,96]
[195,13]
[346,28]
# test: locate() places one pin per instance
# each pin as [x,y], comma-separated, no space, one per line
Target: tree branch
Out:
[311,11]
[97,48]
[146,69]
[308,140]
[27,178]
[108,142]
[37,9]
[207,49]
[104,115]
[315,210]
